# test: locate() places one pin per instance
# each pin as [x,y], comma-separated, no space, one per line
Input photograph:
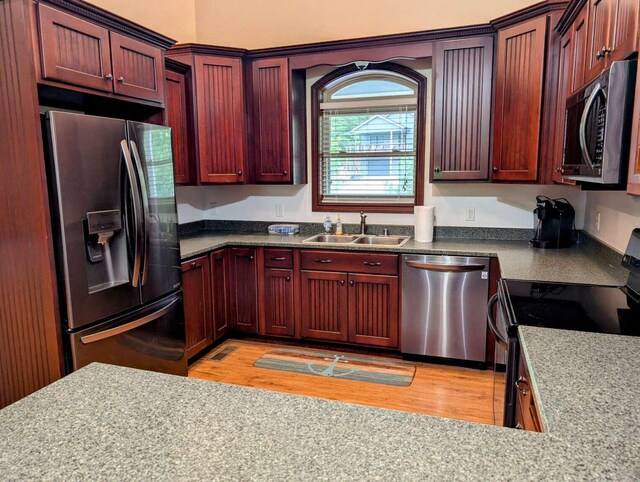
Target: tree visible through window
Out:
[367,145]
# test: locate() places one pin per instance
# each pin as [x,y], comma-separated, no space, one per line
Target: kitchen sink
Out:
[331,239]
[382,240]
[358,239]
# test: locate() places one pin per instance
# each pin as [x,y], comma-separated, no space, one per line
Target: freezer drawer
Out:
[444,306]
[151,338]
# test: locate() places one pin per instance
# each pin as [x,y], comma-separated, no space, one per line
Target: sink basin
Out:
[382,240]
[330,238]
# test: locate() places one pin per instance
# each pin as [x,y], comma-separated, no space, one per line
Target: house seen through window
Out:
[367,138]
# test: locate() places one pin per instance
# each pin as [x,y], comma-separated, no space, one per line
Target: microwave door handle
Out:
[118,330]
[492,323]
[582,130]
[144,195]
[137,215]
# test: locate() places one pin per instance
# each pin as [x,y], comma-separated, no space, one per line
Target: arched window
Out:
[368,139]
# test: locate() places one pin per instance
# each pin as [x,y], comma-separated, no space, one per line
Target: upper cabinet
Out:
[176,116]
[612,33]
[461,123]
[81,53]
[518,101]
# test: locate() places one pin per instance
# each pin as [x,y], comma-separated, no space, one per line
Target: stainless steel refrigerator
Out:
[117,252]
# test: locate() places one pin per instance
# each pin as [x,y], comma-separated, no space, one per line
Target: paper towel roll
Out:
[423,223]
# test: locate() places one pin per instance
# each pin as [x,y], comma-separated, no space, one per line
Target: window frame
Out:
[317,93]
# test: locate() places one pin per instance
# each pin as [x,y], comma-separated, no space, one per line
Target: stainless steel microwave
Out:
[598,127]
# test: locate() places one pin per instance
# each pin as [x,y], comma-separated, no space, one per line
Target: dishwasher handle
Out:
[492,322]
[447,268]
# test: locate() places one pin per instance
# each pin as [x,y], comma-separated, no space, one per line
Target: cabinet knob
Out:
[193,264]
[558,169]
[239,173]
[121,79]
[341,282]
[352,283]
[495,169]
[108,77]
[522,385]
[288,278]
[285,173]
[437,169]
[519,426]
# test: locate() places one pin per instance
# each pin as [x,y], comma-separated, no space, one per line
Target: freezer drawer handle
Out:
[129,326]
[447,268]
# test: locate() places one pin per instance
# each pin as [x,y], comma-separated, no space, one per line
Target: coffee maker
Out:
[556,223]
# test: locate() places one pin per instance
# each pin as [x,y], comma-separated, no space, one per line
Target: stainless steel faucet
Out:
[363,223]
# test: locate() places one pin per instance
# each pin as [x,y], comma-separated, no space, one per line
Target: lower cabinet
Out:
[197,304]
[278,307]
[243,288]
[219,261]
[527,417]
[324,305]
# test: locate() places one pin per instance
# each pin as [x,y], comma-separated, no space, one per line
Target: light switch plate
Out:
[279,210]
[470,214]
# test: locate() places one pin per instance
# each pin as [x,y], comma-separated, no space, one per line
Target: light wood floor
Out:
[443,391]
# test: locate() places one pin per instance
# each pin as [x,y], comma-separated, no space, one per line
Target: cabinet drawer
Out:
[350,262]
[278,258]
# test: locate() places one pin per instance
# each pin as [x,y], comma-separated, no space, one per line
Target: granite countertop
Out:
[111,423]
[582,264]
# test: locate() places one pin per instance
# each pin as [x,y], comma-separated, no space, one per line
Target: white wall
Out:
[496,205]
[619,215]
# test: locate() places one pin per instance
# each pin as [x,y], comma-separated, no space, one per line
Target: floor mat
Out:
[350,367]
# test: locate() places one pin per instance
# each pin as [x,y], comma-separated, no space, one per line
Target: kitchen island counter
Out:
[107,422]
[588,263]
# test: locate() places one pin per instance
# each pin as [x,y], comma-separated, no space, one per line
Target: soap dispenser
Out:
[339,226]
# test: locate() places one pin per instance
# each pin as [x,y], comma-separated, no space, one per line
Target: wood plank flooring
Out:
[439,390]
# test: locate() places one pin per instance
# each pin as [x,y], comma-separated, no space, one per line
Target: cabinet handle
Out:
[285,173]
[522,381]
[324,261]
[108,77]
[495,169]
[239,173]
[437,169]
[288,278]
[519,427]
[352,283]
[558,169]
[193,264]
[341,282]
[121,79]
[372,263]
[283,258]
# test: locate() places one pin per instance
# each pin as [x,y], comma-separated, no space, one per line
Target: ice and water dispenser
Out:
[107,264]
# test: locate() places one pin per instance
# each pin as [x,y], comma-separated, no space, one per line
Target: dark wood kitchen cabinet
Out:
[220,295]
[527,415]
[358,303]
[461,129]
[612,33]
[243,287]
[78,52]
[196,288]
[633,180]
[579,37]
[518,101]
[278,302]
[278,124]
[176,116]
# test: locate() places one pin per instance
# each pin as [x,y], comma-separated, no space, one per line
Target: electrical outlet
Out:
[212,210]
[279,210]
[598,221]
[470,214]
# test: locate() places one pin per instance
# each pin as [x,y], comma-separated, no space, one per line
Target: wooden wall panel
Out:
[271,120]
[518,105]
[462,109]
[30,343]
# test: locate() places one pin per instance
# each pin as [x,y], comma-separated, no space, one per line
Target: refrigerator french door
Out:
[113,206]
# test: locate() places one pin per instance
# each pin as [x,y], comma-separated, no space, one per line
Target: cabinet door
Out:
[197,304]
[278,302]
[633,181]
[74,51]
[565,76]
[600,12]
[373,310]
[137,68]
[220,119]
[624,40]
[518,104]
[271,127]
[176,117]
[324,305]
[219,261]
[244,289]
[579,57]
[462,109]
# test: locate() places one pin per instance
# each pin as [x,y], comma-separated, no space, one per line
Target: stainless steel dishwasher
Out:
[444,306]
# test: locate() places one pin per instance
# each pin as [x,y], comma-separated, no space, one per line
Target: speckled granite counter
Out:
[583,264]
[111,423]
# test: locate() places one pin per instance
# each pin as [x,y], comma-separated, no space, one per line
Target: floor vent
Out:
[222,354]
